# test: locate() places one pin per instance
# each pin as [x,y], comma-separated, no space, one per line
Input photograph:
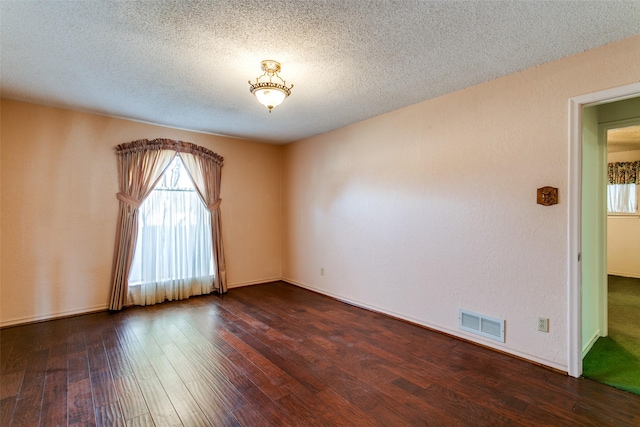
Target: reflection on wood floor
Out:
[279,355]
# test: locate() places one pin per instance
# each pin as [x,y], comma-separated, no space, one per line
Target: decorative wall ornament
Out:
[547,196]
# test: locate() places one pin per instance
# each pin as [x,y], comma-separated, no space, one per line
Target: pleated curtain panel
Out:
[141,164]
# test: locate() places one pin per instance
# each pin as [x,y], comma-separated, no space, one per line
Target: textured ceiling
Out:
[186,64]
[623,139]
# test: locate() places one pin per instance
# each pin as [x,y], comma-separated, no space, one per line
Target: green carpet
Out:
[615,360]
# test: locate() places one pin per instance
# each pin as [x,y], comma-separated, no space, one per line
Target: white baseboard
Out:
[52,316]
[590,343]
[102,307]
[439,328]
[253,282]
[623,274]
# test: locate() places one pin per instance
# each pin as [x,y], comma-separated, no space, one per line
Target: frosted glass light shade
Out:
[270,89]
[270,97]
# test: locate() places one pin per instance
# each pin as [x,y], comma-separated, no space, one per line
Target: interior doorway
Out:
[612,348]
[601,144]
[623,215]
[587,221]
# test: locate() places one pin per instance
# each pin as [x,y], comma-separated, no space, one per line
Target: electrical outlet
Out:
[543,324]
[322,271]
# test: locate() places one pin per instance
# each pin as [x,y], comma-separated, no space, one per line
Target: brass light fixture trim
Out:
[270,89]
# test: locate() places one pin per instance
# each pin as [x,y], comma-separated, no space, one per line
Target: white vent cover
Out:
[480,324]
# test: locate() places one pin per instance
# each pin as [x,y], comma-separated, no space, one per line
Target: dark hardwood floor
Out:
[278,355]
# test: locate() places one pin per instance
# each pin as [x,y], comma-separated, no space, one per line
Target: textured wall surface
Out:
[59,208]
[432,208]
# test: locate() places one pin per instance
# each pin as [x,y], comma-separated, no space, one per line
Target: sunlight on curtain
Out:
[622,198]
[173,257]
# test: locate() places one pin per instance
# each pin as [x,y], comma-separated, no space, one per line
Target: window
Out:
[173,258]
[622,188]
[622,198]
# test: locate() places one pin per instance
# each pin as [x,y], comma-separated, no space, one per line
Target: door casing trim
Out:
[574,220]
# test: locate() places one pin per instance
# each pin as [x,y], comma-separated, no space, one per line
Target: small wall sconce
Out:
[547,196]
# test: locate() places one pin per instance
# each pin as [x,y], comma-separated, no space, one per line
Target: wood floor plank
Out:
[183,402]
[270,360]
[97,356]
[77,366]
[343,409]
[141,421]
[251,416]
[213,361]
[7,407]
[54,405]
[8,337]
[80,403]
[93,331]
[221,388]
[417,410]
[160,408]
[159,335]
[48,334]
[132,403]
[301,410]
[104,391]
[251,354]
[298,340]
[11,382]
[124,331]
[109,415]
[31,390]
[311,343]
[17,355]
[270,386]
[468,411]
[201,352]
[149,345]
[184,366]
[364,397]
[77,334]
[212,405]
[276,354]
[118,362]
[136,358]
[495,395]
[587,412]
[190,413]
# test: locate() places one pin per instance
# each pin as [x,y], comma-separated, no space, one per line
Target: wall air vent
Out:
[480,324]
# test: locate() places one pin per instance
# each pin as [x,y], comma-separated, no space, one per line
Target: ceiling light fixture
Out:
[270,89]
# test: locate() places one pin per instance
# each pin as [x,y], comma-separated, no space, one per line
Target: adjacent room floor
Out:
[615,359]
[279,355]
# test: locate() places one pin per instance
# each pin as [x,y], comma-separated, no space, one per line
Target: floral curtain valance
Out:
[624,172]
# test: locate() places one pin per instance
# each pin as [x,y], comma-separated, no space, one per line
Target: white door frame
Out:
[574,282]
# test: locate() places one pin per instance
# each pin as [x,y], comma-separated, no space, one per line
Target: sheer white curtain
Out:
[622,198]
[173,258]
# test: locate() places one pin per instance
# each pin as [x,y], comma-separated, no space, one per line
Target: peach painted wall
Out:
[623,233]
[432,208]
[59,208]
